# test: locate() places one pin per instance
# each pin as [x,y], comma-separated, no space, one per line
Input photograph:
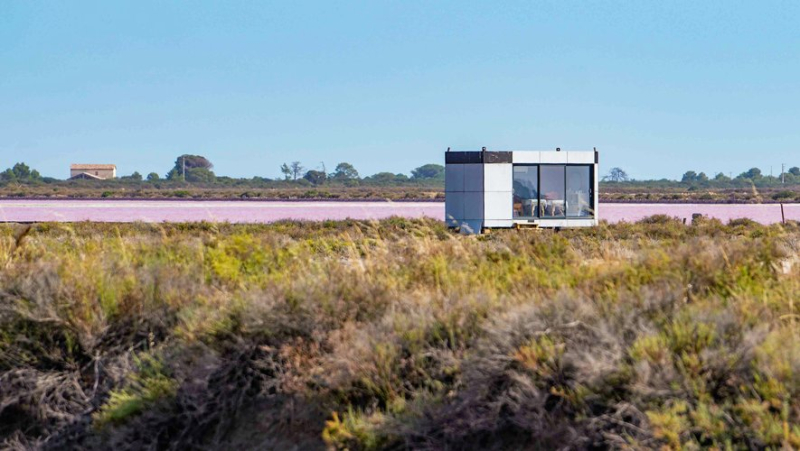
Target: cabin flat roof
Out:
[520,156]
[520,151]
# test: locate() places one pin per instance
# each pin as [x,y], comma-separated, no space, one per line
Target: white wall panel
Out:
[498,223]
[498,177]
[580,157]
[498,205]
[526,157]
[553,157]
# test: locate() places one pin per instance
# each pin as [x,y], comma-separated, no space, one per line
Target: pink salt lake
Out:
[13,210]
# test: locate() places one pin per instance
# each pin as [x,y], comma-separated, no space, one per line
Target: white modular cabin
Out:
[489,189]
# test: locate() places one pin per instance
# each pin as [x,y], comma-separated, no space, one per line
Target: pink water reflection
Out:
[264,212]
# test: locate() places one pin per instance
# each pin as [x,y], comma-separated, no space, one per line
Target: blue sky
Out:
[657,87]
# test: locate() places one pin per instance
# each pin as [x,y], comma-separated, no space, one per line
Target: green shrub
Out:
[784,195]
[147,386]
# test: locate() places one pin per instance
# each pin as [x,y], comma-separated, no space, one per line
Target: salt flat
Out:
[14,210]
[217,211]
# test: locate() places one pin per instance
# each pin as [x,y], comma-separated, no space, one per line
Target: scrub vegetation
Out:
[734,192]
[399,334]
[425,183]
[222,190]
[740,192]
[192,177]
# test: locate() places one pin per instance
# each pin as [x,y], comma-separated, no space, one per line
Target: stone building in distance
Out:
[92,171]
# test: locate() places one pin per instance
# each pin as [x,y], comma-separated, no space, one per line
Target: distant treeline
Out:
[199,170]
[751,177]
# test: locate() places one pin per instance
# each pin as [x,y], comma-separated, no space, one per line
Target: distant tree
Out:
[428,171]
[7,176]
[382,177]
[20,172]
[286,171]
[193,161]
[153,177]
[720,177]
[344,171]
[297,169]
[136,176]
[200,175]
[752,173]
[702,177]
[315,177]
[385,178]
[794,170]
[174,174]
[617,175]
[188,162]
[689,176]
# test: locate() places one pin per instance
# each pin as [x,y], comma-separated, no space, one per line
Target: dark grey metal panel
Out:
[463,157]
[496,157]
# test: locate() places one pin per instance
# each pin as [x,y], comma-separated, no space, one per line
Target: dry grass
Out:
[399,334]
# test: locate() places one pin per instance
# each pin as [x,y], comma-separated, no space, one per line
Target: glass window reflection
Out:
[553,198]
[553,191]
[579,191]
[526,191]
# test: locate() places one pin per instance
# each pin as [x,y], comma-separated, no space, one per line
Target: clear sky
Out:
[657,87]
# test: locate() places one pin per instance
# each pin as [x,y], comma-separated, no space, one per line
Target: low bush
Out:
[784,195]
[399,334]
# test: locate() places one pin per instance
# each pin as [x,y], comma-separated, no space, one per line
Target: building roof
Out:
[86,175]
[92,167]
[523,157]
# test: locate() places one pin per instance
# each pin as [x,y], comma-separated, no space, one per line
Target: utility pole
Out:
[183,160]
[783,173]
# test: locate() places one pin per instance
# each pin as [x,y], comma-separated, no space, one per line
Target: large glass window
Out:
[553,198]
[579,191]
[553,191]
[526,191]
